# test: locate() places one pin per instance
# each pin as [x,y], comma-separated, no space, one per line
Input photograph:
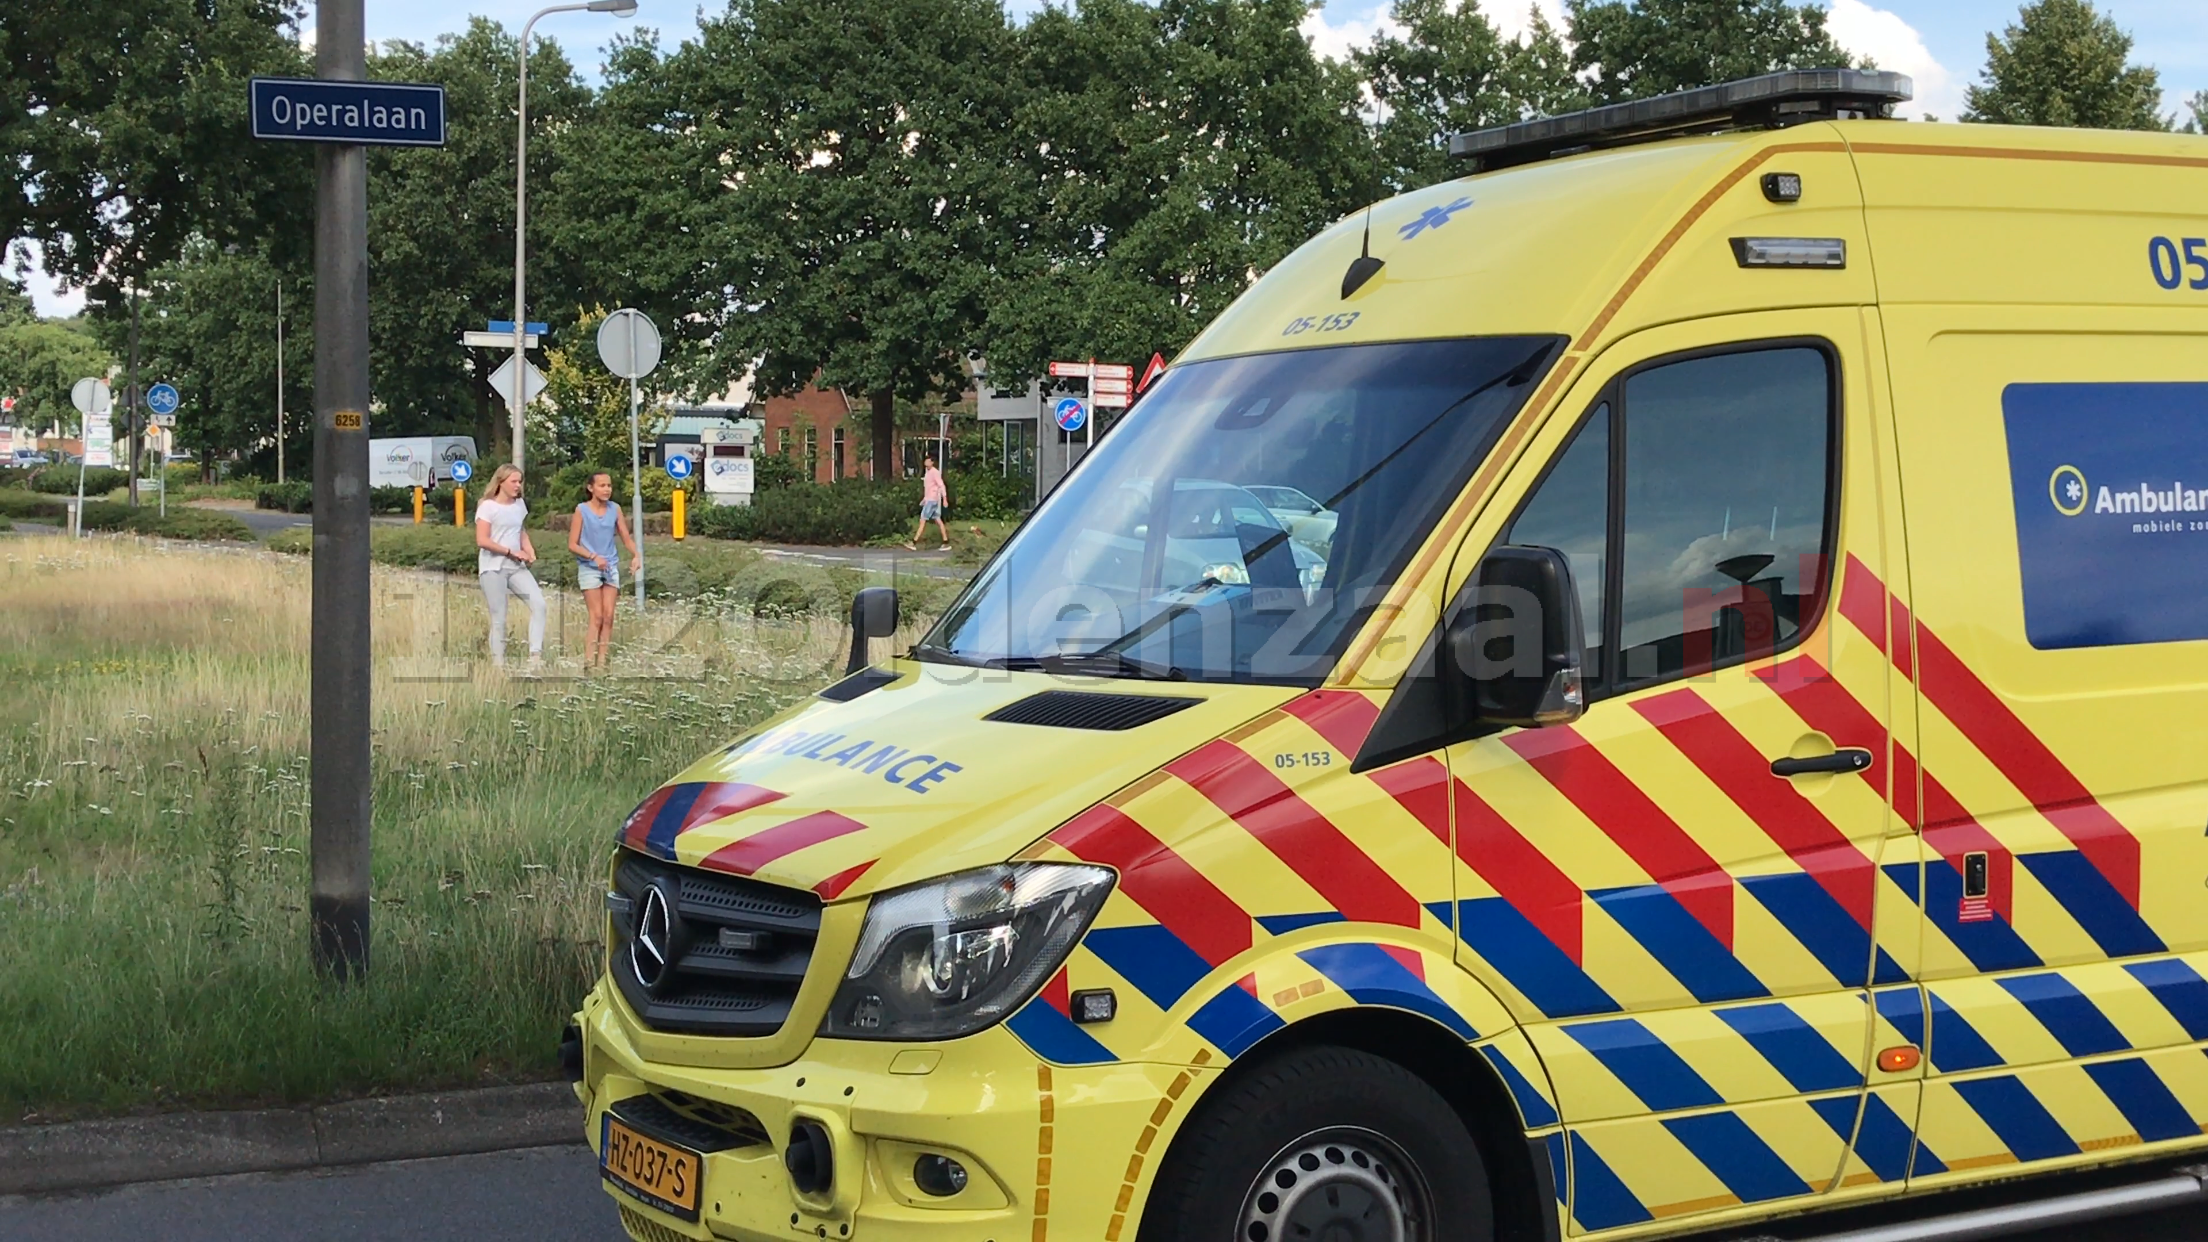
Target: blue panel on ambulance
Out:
[2111,487]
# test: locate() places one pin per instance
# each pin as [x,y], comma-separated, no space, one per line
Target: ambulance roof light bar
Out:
[1773,100]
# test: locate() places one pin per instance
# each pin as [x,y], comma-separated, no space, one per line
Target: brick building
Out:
[820,426]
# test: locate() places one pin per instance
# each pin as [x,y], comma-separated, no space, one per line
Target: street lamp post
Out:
[619,8]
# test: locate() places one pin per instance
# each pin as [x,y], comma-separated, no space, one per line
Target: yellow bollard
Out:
[678,514]
[459,505]
[417,506]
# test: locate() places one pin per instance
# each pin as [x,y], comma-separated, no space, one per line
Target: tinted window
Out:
[1570,512]
[1726,467]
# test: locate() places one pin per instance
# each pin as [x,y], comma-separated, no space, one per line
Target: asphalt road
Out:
[544,1195]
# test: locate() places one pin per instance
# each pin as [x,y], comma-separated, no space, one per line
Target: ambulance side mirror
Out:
[1507,654]
[1512,645]
[873,615]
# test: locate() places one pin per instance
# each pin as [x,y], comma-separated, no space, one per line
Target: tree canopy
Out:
[860,194]
[2062,62]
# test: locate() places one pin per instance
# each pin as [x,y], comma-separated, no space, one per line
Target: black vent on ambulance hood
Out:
[1081,709]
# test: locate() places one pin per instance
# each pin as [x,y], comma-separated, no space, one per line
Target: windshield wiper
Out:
[932,654]
[1100,663]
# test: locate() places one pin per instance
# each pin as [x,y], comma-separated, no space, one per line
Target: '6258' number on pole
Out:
[2180,262]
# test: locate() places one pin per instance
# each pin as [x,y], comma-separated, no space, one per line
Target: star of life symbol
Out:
[2067,488]
[1433,218]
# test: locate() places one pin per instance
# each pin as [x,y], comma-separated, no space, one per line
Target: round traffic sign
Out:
[1071,413]
[163,399]
[678,467]
[92,397]
[462,471]
[628,343]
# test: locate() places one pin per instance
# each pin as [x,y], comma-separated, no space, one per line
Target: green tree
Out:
[441,230]
[2064,63]
[1451,72]
[583,417]
[41,359]
[210,329]
[2197,105]
[1168,155]
[852,157]
[1632,49]
[125,129]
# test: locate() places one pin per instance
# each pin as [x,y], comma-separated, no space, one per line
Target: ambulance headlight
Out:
[957,955]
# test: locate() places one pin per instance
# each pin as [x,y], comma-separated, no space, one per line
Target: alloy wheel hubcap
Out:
[1336,1186]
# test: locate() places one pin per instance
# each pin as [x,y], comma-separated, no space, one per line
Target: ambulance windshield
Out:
[1249,513]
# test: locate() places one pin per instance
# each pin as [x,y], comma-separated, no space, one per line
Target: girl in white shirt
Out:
[502,560]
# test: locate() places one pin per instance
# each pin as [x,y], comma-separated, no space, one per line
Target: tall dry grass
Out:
[154,775]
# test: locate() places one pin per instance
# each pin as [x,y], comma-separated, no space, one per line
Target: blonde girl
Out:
[502,560]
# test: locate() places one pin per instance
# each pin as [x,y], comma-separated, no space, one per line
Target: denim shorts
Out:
[931,511]
[589,577]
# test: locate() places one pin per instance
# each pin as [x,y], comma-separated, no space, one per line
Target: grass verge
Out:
[154,776]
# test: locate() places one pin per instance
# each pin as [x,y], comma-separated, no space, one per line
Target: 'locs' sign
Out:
[386,114]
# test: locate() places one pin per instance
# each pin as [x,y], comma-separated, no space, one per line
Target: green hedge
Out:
[181,523]
[21,504]
[854,511]
[62,480]
[291,497]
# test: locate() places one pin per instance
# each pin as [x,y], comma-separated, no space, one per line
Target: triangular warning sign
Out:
[1151,372]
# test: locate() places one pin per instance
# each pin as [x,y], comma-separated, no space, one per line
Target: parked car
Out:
[1309,521]
[28,457]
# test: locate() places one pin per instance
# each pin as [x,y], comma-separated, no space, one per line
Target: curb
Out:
[84,1155]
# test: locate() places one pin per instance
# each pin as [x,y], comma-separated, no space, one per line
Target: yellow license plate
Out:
[654,1171]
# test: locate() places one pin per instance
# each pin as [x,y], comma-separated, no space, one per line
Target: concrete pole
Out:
[279,379]
[339,710]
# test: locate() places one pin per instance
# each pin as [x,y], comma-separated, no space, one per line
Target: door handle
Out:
[1846,759]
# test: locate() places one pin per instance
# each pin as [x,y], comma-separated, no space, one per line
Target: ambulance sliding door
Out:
[1682,889]
[2055,480]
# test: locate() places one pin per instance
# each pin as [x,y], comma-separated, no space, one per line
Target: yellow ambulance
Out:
[1659,685]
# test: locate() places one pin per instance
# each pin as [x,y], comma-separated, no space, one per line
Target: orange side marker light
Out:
[1899,1060]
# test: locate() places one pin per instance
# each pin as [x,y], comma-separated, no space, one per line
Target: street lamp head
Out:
[619,8]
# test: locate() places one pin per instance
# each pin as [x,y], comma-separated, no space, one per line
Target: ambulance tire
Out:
[1323,1142]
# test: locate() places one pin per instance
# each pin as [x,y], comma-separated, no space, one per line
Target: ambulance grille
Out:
[741,984]
[1080,709]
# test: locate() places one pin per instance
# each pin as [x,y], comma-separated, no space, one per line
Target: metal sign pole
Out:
[636,480]
[339,709]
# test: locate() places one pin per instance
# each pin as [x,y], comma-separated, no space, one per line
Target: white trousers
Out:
[518,581]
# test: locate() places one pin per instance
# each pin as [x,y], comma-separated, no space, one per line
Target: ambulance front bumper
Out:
[1065,1151]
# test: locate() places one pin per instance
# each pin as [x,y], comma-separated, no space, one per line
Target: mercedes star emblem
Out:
[651,949]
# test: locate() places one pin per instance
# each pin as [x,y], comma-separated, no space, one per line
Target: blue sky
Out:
[1940,43]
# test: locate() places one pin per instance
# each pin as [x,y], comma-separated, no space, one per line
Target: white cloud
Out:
[1336,40]
[1513,18]
[1894,44]
[48,296]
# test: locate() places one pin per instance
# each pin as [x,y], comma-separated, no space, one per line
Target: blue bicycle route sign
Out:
[372,114]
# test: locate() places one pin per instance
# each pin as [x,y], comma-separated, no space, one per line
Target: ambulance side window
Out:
[1725,499]
[1570,511]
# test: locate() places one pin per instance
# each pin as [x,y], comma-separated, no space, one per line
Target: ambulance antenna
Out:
[1364,267]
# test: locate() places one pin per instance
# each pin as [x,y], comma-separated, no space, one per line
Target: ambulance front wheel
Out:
[1328,1143]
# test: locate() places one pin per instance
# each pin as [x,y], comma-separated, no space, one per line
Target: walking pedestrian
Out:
[934,499]
[502,559]
[591,532]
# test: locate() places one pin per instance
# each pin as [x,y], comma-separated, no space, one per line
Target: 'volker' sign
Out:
[376,114]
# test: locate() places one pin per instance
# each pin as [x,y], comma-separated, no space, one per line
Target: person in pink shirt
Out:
[934,498]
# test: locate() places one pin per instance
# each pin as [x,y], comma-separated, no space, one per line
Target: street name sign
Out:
[368,114]
[496,340]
